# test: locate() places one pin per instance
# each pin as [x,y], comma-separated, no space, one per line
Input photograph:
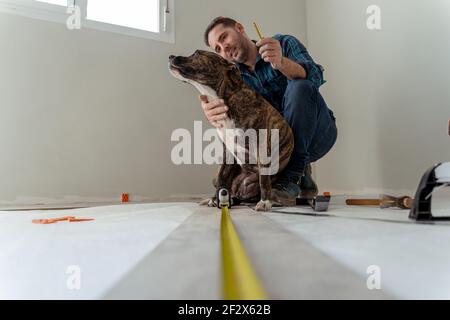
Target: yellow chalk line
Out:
[239,279]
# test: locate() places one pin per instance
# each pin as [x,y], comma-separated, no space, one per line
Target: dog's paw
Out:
[263,205]
[210,202]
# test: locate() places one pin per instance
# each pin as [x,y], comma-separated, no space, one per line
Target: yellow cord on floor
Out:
[239,279]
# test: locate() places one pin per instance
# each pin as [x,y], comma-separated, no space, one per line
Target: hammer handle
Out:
[363,202]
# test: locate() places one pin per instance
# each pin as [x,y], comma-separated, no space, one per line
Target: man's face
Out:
[229,42]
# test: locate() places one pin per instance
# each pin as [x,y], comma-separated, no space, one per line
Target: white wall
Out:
[87,115]
[389,90]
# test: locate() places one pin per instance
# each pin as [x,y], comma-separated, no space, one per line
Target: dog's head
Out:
[205,69]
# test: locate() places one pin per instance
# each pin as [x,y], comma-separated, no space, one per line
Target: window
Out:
[137,14]
[57,2]
[152,19]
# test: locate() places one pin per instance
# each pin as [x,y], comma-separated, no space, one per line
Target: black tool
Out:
[437,176]
[318,203]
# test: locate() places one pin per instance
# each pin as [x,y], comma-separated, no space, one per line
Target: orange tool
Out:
[43,221]
[47,221]
[80,220]
[54,220]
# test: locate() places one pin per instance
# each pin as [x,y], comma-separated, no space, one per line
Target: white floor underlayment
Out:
[38,261]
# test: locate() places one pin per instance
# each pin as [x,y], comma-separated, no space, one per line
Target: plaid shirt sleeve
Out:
[294,50]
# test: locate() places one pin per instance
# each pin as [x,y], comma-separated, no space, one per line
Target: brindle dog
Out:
[215,77]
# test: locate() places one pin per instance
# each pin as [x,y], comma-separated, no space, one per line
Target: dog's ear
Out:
[234,75]
[231,66]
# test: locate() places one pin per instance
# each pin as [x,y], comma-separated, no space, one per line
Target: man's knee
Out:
[299,90]
[299,97]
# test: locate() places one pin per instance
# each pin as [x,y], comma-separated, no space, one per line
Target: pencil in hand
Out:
[257,31]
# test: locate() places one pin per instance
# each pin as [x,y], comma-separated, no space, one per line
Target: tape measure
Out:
[240,281]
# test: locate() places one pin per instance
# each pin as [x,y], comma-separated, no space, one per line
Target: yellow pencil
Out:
[257,30]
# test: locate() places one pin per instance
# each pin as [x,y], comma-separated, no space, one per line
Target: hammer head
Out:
[388,201]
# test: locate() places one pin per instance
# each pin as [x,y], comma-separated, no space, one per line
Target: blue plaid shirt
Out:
[270,83]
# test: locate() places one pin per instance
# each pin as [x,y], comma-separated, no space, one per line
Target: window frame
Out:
[55,13]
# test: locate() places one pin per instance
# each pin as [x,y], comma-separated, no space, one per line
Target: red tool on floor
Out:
[54,220]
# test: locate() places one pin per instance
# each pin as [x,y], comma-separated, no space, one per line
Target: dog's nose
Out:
[176,60]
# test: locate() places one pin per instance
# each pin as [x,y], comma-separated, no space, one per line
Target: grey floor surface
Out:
[172,251]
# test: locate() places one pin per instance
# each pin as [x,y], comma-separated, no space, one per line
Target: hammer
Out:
[385,201]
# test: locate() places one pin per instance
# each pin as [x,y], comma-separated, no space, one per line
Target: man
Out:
[282,71]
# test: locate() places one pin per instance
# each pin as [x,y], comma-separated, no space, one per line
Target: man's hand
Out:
[270,51]
[214,111]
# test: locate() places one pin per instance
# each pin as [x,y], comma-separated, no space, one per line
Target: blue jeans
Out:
[313,125]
